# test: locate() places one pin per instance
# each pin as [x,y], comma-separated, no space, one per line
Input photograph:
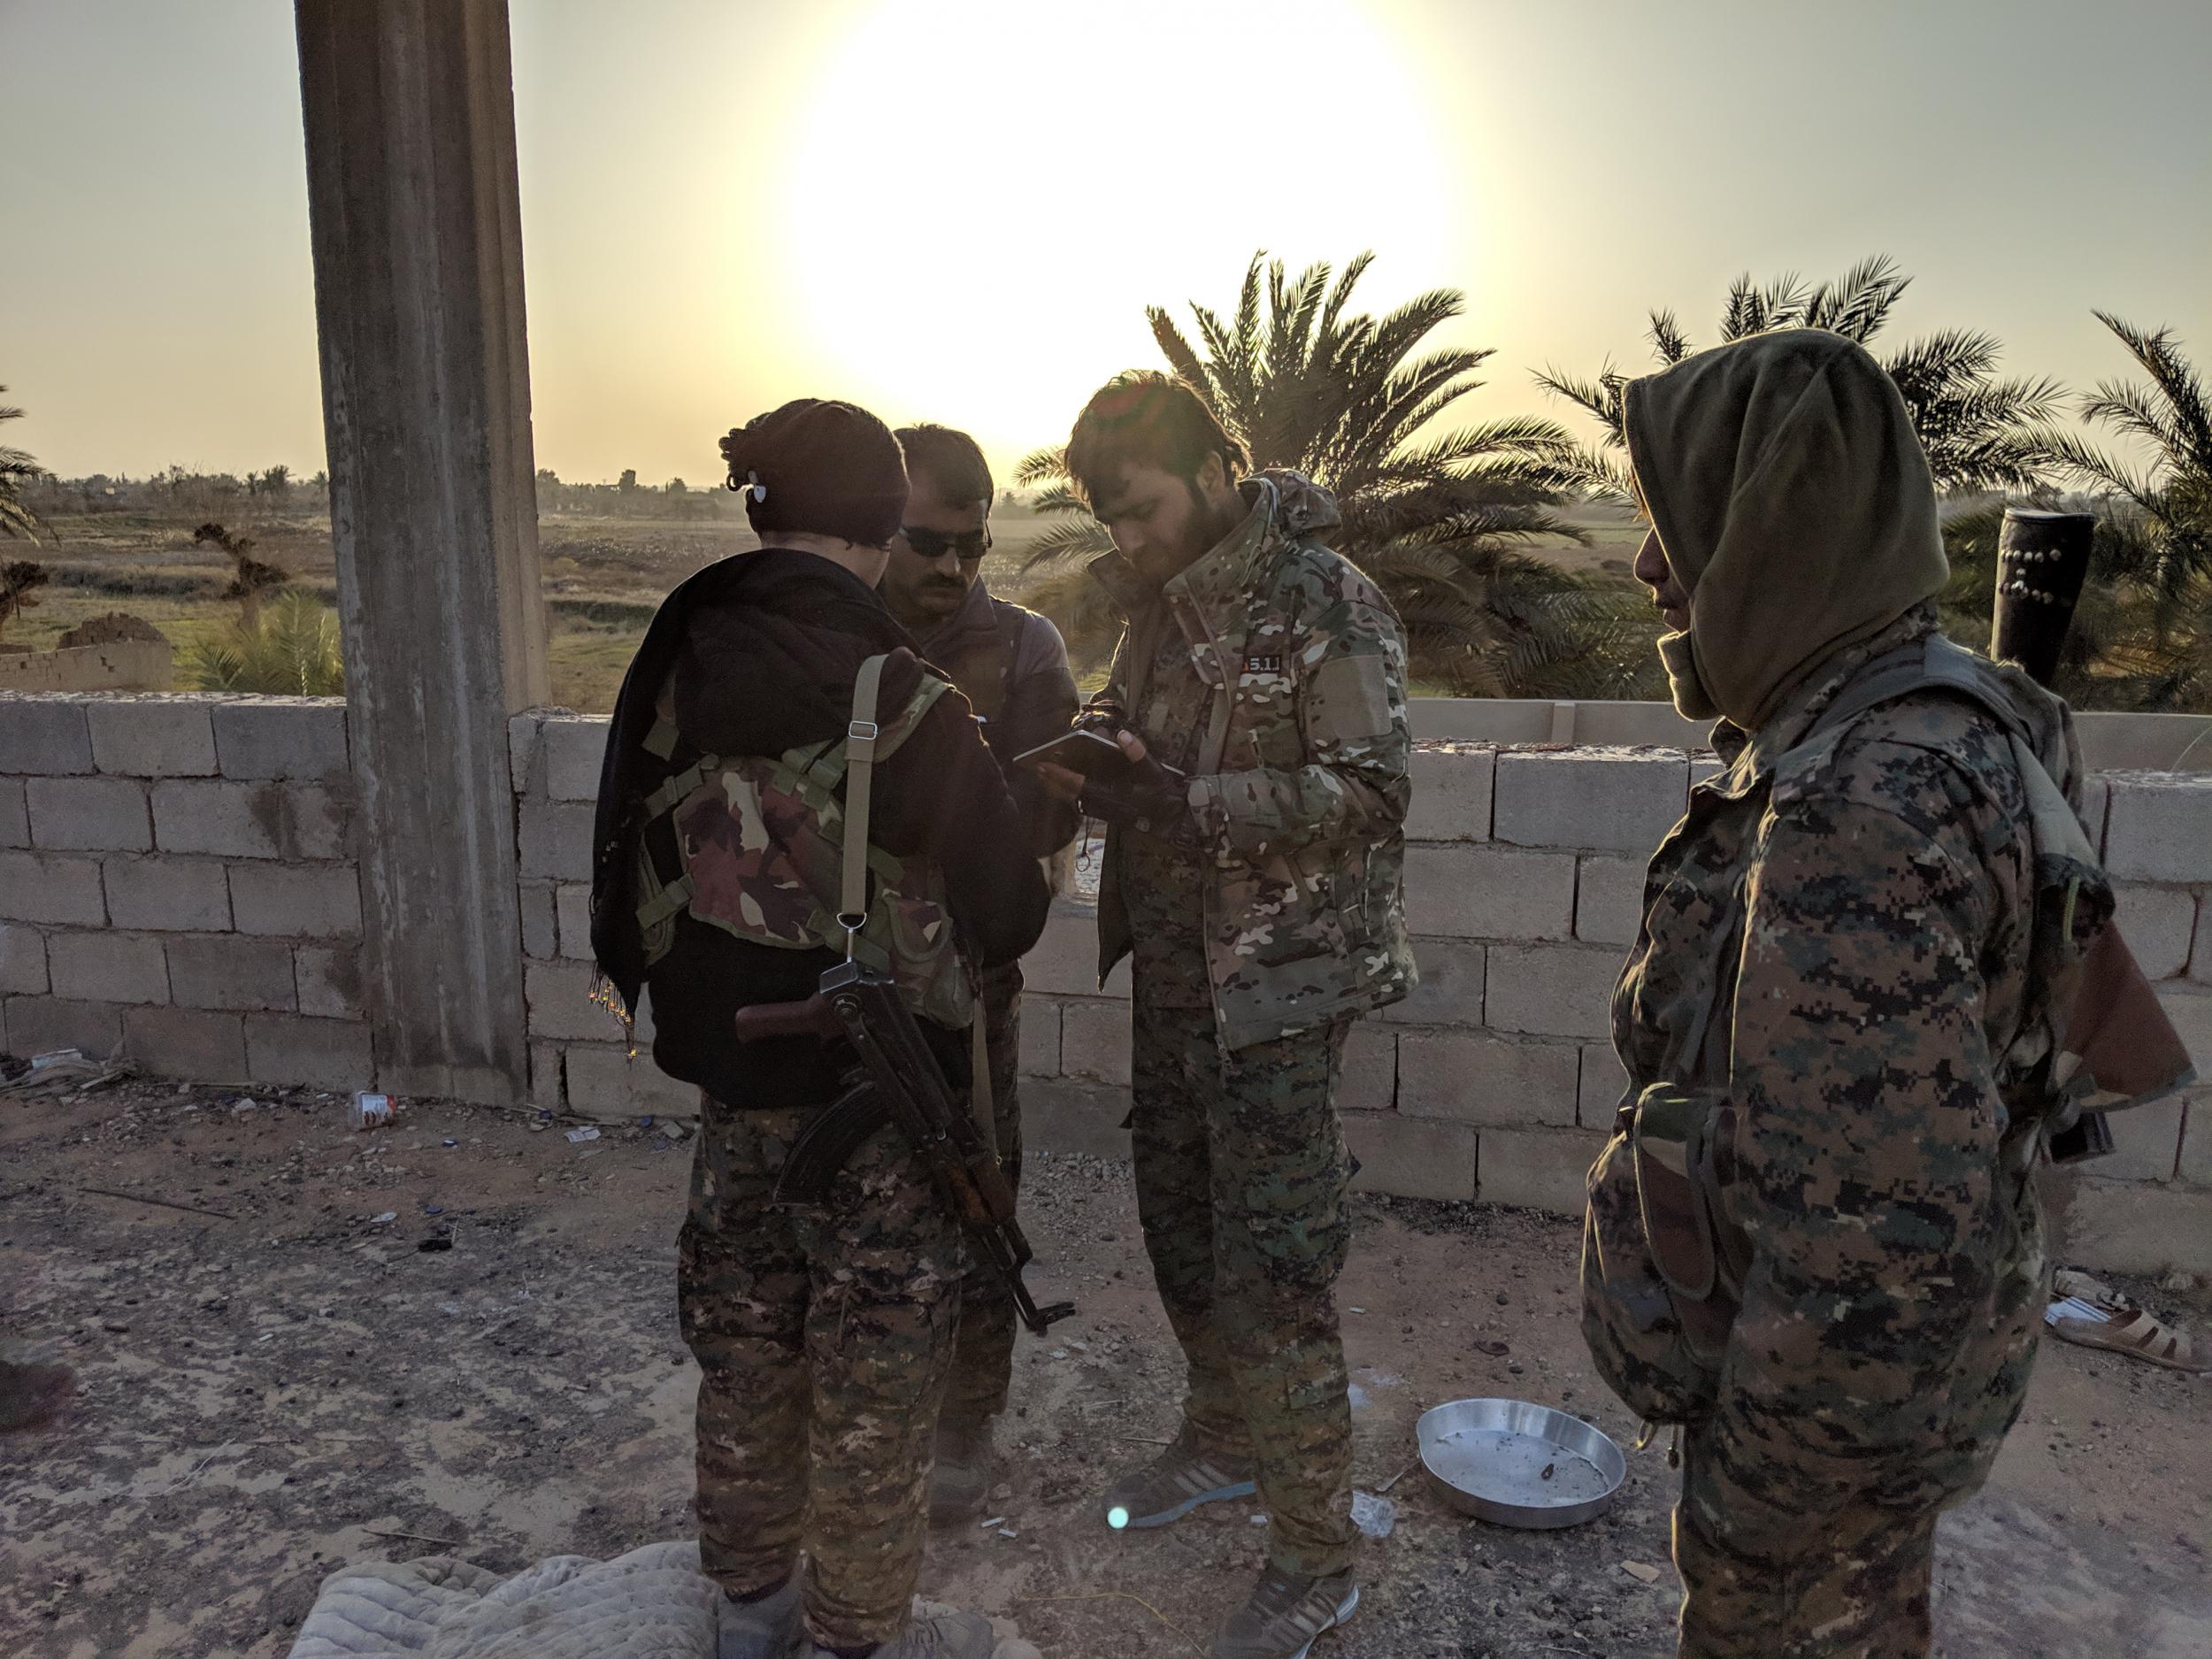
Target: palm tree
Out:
[18,472]
[1438,519]
[2154,554]
[250,578]
[1978,430]
[18,577]
[295,653]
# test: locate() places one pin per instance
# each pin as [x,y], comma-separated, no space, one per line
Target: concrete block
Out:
[1538,1169]
[317,821]
[2158,923]
[328,979]
[540,938]
[168,895]
[1062,1115]
[1614,800]
[2201,952]
[2159,827]
[153,737]
[1603,1083]
[332,1054]
[187,1042]
[604,1083]
[297,900]
[226,971]
[1474,1077]
[52,887]
[2096,802]
[549,1083]
[1489,892]
[1370,1081]
[561,1005]
[2145,1142]
[1065,960]
[1095,1041]
[108,967]
[1039,1037]
[1556,990]
[38,1024]
[557,839]
[44,736]
[2195,1164]
[523,751]
[215,816]
[281,737]
[1410,1157]
[1450,991]
[574,745]
[571,902]
[1608,900]
[22,961]
[15,814]
[1704,765]
[2130,1227]
[2190,1007]
[1451,793]
[88,814]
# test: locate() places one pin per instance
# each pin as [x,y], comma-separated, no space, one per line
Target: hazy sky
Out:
[957,209]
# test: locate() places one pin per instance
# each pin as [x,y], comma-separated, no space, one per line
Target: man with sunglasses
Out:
[1012,667]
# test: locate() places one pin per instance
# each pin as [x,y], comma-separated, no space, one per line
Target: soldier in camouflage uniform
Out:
[1814,1240]
[1012,666]
[823,1333]
[1253,872]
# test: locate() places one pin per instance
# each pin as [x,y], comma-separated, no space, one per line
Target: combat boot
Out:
[1286,1612]
[771,1628]
[940,1636]
[961,1479]
[1175,1483]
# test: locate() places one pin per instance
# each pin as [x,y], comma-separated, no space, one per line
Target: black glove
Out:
[1150,798]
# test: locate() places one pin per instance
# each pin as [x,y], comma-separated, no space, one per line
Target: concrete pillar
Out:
[410,173]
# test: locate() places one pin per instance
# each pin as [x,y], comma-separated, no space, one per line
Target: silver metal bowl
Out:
[1519,1464]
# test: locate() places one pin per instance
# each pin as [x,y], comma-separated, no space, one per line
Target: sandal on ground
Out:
[2093,1316]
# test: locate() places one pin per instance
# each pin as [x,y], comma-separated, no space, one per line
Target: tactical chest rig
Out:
[762,851]
[1663,1268]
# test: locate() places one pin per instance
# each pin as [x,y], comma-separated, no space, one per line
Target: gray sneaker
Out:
[1286,1612]
[942,1636]
[771,1628]
[961,1479]
[1175,1483]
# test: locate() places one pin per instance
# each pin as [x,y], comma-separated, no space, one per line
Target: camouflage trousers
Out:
[983,1355]
[1779,1565]
[823,1338]
[1240,1174]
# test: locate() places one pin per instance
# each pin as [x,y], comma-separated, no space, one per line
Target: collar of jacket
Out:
[1750,756]
[1222,575]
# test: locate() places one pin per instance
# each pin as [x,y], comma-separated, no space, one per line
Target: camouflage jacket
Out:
[1274,672]
[1840,940]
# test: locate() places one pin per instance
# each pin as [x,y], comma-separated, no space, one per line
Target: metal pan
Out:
[1487,1458]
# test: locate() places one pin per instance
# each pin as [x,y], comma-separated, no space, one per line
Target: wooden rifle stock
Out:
[813,1018]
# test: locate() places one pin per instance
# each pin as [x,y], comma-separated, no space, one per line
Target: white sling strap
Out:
[860,763]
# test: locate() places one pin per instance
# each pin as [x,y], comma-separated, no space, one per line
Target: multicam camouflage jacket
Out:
[1857,946]
[1283,688]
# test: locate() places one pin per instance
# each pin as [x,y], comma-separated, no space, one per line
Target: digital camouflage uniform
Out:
[1012,666]
[1273,673]
[1879,1018]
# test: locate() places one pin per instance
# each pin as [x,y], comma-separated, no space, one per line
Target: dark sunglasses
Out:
[970,545]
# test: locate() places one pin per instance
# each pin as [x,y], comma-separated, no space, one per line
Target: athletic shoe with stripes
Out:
[1174,1484]
[1286,1613]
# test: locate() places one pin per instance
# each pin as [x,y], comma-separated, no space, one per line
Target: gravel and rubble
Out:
[458,1335]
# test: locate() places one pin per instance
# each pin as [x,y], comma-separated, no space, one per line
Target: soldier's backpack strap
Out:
[860,771]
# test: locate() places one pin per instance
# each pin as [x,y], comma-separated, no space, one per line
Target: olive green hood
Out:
[1795,507]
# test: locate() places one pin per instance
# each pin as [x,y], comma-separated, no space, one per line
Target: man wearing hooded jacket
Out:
[1839,1019]
[823,1333]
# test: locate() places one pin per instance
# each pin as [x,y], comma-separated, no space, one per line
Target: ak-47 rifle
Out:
[901,1084]
[2118,1039]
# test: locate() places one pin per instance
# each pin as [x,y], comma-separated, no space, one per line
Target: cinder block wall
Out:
[178,882]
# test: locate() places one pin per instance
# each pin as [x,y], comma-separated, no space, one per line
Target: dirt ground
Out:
[297,1385]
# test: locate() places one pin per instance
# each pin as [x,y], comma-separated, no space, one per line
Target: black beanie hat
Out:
[820,467]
